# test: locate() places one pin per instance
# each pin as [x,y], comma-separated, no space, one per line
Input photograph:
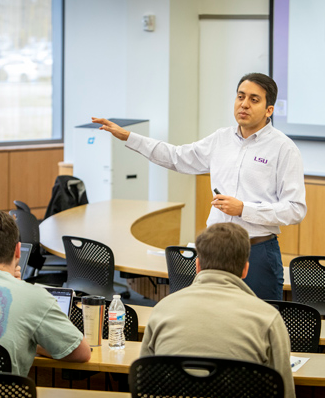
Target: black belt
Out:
[260,239]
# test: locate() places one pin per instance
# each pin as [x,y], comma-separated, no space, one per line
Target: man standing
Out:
[219,315]
[29,315]
[256,168]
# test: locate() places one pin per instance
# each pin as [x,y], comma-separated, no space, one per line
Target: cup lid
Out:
[93,300]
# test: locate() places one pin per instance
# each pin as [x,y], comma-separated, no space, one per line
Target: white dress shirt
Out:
[264,171]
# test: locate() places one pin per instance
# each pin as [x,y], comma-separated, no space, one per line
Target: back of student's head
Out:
[223,246]
[9,236]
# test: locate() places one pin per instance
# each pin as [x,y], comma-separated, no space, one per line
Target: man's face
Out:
[250,108]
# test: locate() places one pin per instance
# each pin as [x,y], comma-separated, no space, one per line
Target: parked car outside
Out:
[17,68]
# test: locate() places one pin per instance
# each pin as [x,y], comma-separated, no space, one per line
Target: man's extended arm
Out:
[81,354]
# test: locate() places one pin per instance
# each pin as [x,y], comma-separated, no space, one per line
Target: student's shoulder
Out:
[34,293]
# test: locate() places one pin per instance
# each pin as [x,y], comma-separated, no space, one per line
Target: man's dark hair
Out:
[9,237]
[225,247]
[265,82]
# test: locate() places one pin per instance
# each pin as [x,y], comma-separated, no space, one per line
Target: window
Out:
[31,77]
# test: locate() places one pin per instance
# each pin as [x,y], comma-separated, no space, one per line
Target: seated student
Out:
[29,315]
[219,315]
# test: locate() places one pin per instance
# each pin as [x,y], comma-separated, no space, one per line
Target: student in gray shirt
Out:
[31,321]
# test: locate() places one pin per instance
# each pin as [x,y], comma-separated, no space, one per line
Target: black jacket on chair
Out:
[67,192]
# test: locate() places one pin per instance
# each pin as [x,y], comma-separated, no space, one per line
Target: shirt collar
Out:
[263,131]
[221,278]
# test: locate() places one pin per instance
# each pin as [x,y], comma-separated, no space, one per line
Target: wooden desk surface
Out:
[111,222]
[50,392]
[105,360]
[102,359]
[313,371]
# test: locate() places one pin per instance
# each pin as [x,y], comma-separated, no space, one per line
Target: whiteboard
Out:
[229,48]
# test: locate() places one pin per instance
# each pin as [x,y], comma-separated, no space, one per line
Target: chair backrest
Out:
[5,360]
[307,277]
[29,233]
[22,205]
[131,320]
[90,266]
[14,386]
[303,323]
[181,266]
[181,376]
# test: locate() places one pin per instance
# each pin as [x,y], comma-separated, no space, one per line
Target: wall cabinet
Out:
[28,174]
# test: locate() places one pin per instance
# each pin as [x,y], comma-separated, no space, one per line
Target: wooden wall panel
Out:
[32,174]
[203,201]
[311,240]
[289,239]
[4,181]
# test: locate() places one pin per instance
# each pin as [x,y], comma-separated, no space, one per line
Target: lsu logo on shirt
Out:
[261,160]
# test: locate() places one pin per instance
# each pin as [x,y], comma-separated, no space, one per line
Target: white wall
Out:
[183,102]
[115,69]
[95,63]
[147,79]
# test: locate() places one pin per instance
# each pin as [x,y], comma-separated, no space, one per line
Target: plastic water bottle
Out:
[116,322]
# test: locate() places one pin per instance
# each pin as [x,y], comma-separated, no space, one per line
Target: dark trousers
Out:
[265,274]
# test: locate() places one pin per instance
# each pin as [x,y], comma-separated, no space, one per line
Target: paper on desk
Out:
[156,253]
[297,362]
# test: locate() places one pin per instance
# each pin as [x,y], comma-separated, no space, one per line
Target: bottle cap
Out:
[93,300]
[116,296]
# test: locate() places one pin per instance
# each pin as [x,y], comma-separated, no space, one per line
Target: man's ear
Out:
[245,270]
[17,251]
[269,110]
[197,265]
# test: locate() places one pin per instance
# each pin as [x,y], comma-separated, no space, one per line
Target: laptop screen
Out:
[64,297]
[25,250]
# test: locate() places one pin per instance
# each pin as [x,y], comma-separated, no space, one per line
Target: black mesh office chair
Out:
[5,360]
[131,320]
[90,266]
[181,266]
[307,277]
[29,233]
[14,386]
[303,323]
[191,377]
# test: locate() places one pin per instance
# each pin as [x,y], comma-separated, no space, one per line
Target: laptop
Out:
[63,296]
[25,251]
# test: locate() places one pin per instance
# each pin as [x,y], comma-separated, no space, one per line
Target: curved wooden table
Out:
[130,228]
